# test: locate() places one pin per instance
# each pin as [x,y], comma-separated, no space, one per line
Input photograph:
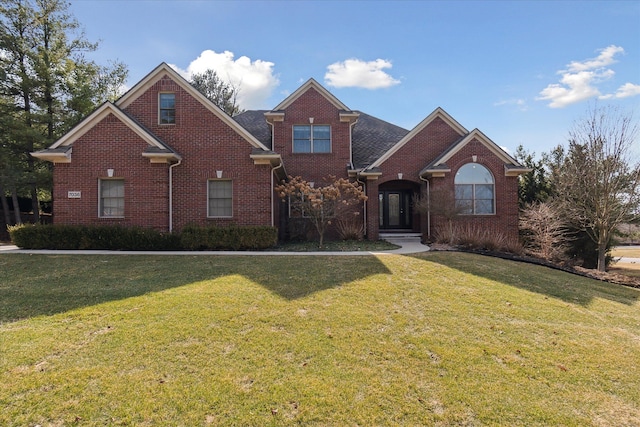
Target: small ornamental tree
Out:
[545,231]
[338,198]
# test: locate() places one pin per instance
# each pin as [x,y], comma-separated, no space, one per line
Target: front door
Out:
[395,209]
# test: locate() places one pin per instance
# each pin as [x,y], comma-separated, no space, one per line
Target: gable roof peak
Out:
[166,69]
[309,84]
[437,113]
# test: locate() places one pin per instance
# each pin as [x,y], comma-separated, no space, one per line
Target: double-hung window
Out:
[111,203]
[311,139]
[475,190]
[220,199]
[167,102]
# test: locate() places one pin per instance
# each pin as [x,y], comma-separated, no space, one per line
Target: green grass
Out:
[433,339]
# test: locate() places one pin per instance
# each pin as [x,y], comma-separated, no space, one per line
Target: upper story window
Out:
[312,139]
[475,190]
[167,108]
[111,198]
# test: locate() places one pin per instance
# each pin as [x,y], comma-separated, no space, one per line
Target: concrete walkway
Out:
[407,246]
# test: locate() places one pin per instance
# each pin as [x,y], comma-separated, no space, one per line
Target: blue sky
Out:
[522,72]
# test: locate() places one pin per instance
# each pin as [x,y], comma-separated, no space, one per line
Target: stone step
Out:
[401,235]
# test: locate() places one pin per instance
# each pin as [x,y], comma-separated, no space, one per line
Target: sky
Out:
[522,72]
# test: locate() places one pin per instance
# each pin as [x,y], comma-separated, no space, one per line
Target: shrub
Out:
[545,231]
[73,237]
[475,237]
[228,238]
[350,228]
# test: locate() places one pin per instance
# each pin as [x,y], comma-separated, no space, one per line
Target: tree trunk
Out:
[5,206]
[16,205]
[35,204]
[602,251]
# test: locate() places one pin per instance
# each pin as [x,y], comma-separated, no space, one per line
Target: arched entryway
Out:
[395,203]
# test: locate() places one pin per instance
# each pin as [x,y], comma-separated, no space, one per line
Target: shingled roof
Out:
[256,124]
[371,137]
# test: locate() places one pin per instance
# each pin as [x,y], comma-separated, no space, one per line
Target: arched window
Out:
[475,190]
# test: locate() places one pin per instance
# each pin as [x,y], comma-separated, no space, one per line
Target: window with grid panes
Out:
[475,190]
[311,139]
[167,108]
[111,198]
[220,199]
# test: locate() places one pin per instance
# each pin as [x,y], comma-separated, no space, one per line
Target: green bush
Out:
[73,237]
[195,237]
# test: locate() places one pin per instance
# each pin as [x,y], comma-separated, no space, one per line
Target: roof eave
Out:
[515,170]
[53,157]
[162,157]
[269,158]
[435,173]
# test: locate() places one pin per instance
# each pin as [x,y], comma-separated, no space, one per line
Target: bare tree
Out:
[545,231]
[440,202]
[598,182]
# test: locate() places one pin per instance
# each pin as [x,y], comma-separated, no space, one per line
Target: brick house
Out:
[164,156]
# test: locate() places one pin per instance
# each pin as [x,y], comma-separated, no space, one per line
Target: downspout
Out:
[171,194]
[428,206]
[273,169]
[273,209]
[364,187]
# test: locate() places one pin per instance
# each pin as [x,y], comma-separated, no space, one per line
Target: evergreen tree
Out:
[46,85]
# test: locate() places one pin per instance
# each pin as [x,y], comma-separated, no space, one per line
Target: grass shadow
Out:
[550,282]
[35,285]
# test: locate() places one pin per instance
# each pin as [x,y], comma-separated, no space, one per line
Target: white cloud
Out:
[624,91]
[254,79]
[358,73]
[579,81]
[603,60]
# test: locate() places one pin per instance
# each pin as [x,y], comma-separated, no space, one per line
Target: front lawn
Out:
[433,339]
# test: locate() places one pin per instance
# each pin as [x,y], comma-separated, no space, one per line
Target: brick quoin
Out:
[209,143]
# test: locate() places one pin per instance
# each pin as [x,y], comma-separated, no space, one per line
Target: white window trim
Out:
[311,126]
[473,200]
[208,212]
[100,215]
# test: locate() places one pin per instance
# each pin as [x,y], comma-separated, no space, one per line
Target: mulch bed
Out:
[610,277]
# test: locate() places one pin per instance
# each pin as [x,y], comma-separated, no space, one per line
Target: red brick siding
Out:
[313,166]
[419,152]
[409,160]
[505,219]
[111,145]
[206,144]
